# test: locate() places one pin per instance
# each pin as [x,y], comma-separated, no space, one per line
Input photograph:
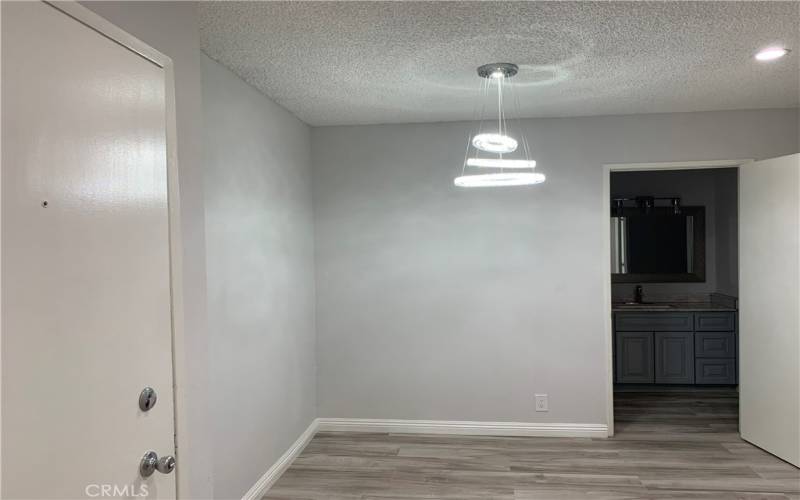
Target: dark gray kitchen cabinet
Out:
[634,357]
[674,353]
[675,347]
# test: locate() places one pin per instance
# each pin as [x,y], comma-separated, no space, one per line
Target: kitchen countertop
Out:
[670,307]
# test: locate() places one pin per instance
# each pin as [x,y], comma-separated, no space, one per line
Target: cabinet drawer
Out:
[715,345]
[714,322]
[715,371]
[653,322]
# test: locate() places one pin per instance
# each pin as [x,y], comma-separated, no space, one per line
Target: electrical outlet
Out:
[541,402]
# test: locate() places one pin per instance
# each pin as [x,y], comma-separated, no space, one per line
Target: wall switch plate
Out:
[541,402]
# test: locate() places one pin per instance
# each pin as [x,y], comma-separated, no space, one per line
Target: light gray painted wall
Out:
[172,28]
[715,189]
[435,302]
[260,252]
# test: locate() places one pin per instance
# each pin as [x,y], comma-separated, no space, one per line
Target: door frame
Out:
[178,340]
[606,253]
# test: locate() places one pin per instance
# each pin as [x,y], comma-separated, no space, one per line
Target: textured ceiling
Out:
[389,62]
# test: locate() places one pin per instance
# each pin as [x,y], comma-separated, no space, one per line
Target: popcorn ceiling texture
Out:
[334,63]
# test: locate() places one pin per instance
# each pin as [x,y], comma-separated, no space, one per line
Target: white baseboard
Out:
[464,427]
[266,481]
[419,427]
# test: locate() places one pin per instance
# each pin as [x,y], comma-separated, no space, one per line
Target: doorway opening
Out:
[672,288]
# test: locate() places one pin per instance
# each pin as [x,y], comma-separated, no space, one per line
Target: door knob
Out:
[165,464]
[151,463]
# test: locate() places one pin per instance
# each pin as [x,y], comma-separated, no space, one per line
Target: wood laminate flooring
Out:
[678,444]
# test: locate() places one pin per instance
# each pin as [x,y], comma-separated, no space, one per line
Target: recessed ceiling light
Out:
[771,53]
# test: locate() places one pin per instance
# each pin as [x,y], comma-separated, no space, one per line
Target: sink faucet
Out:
[638,294]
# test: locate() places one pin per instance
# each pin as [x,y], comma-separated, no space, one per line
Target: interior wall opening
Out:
[674,293]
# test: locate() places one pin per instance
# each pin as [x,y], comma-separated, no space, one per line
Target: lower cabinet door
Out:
[674,355]
[634,357]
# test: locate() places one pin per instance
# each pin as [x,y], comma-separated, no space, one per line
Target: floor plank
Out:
[679,444]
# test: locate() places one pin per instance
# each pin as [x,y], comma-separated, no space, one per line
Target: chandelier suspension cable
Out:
[500,105]
[523,137]
[485,88]
[501,119]
[483,92]
[516,120]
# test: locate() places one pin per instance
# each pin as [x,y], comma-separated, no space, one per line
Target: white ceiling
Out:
[334,63]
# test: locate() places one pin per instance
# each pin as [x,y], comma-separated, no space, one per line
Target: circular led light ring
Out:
[495,143]
[500,163]
[772,53]
[504,179]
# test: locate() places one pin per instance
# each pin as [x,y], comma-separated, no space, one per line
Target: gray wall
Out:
[435,302]
[260,254]
[172,28]
[716,190]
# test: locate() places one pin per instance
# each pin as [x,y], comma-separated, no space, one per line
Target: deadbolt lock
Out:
[147,399]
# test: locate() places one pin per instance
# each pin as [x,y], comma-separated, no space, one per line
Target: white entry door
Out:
[86,311]
[769,305]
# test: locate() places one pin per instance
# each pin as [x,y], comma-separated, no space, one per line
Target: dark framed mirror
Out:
[658,245]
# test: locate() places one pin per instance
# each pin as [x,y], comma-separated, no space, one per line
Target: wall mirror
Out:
[658,244]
